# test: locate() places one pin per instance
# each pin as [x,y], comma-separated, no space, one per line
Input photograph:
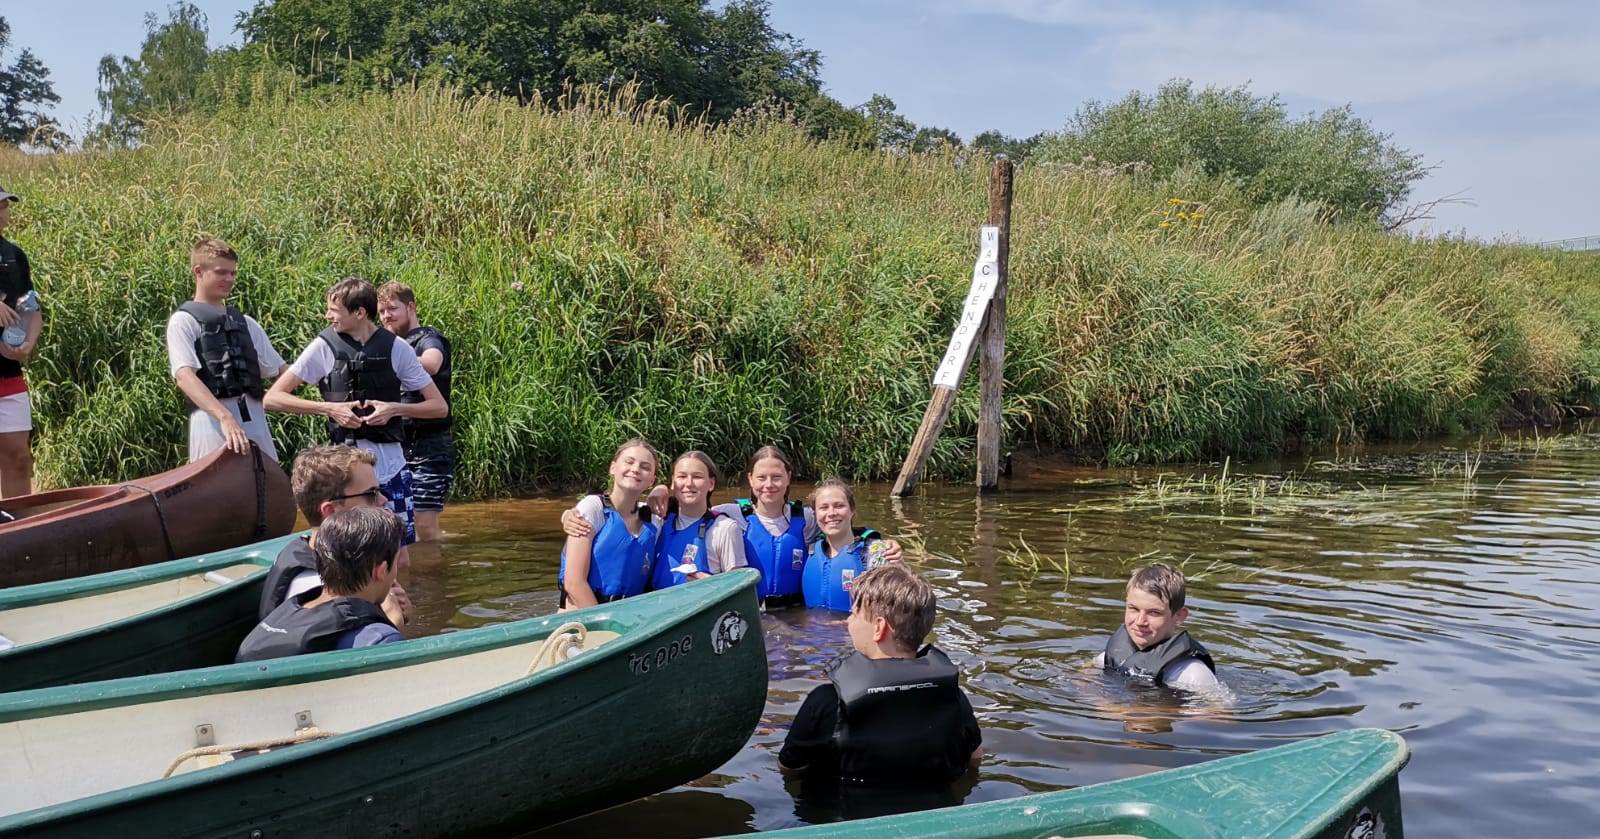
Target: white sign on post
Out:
[985,275]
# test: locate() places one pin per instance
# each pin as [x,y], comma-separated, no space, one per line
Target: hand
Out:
[397,606]
[696,575]
[657,501]
[9,316]
[343,414]
[17,354]
[575,525]
[891,551]
[378,413]
[233,436]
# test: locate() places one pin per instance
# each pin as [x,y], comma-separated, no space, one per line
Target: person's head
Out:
[633,466]
[891,611]
[694,477]
[215,266]
[352,303]
[6,200]
[835,505]
[327,479]
[397,307]
[769,474]
[356,552]
[1154,609]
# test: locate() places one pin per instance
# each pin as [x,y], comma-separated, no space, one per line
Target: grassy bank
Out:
[604,273]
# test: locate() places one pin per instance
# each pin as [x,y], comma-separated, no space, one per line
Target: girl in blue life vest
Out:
[617,560]
[695,541]
[842,554]
[778,530]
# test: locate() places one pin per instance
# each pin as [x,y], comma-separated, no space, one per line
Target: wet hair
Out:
[353,542]
[773,452]
[355,293]
[320,473]
[834,483]
[397,291]
[208,249]
[1160,580]
[901,597]
[705,460]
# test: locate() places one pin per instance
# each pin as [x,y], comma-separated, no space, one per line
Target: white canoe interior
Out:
[66,757]
[32,624]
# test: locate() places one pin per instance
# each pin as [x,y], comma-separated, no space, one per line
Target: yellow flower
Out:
[1165,224]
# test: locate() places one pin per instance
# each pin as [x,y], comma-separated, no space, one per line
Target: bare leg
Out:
[428,526]
[16,464]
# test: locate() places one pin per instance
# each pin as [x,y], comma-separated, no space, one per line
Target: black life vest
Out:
[292,629]
[1123,657]
[229,367]
[900,719]
[418,427]
[296,558]
[361,373]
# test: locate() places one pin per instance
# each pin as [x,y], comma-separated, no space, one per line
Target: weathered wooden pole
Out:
[992,365]
[978,309]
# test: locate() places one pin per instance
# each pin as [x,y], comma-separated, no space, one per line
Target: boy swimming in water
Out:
[1150,643]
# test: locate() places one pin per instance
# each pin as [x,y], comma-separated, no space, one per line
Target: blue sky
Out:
[1505,98]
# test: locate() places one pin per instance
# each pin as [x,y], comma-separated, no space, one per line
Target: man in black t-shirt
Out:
[429,447]
[906,722]
[19,332]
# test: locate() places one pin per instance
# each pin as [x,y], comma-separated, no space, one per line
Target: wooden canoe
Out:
[1334,787]
[467,732]
[157,618]
[223,501]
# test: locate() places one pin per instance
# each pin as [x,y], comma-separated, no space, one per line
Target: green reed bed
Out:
[604,270]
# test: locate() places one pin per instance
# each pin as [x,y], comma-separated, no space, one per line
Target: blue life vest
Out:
[780,559]
[677,547]
[826,580]
[619,562]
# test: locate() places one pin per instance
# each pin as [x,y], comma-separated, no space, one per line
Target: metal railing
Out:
[1581,243]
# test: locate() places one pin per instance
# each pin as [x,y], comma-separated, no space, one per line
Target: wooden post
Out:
[992,365]
[965,341]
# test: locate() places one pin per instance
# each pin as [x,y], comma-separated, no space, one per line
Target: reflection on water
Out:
[1441,595]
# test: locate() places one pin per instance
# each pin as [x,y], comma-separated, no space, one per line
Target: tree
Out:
[995,144]
[933,139]
[886,127]
[1334,158]
[25,93]
[167,76]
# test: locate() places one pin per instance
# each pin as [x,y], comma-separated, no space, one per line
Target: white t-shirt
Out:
[776,525]
[1188,674]
[316,362]
[205,434]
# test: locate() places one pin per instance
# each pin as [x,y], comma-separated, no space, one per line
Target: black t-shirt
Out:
[810,740]
[15,280]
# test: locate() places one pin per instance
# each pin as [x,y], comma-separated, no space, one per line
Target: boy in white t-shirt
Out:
[361,369]
[221,359]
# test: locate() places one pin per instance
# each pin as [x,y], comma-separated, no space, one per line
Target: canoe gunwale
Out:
[630,620]
[38,594]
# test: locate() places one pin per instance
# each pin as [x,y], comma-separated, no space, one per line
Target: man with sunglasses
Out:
[362,370]
[327,479]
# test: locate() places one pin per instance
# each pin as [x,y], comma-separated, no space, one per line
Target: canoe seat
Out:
[226,752]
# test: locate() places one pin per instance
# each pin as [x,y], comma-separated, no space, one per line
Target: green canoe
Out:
[1340,786]
[151,619]
[466,732]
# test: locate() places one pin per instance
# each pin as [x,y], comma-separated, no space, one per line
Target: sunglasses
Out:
[371,495]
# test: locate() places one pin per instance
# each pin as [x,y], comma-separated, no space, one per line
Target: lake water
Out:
[1440,592]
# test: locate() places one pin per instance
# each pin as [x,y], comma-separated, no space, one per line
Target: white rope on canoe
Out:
[573,633]
[304,735]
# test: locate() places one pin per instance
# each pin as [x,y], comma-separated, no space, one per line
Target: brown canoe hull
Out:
[223,501]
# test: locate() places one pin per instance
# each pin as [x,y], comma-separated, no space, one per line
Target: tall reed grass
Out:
[605,270]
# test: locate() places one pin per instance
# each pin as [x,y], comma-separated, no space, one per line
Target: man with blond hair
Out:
[221,359]
[429,446]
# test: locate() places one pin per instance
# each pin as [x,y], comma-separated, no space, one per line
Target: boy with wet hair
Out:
[1151,644]
[325,480]
[356,552]
[893,713]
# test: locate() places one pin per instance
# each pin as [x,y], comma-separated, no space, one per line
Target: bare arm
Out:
[431,360]
[432,406]
[20,354]
[576,576]
[281,398]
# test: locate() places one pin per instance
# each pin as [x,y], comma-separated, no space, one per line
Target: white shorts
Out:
[205,435]
[16,413]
